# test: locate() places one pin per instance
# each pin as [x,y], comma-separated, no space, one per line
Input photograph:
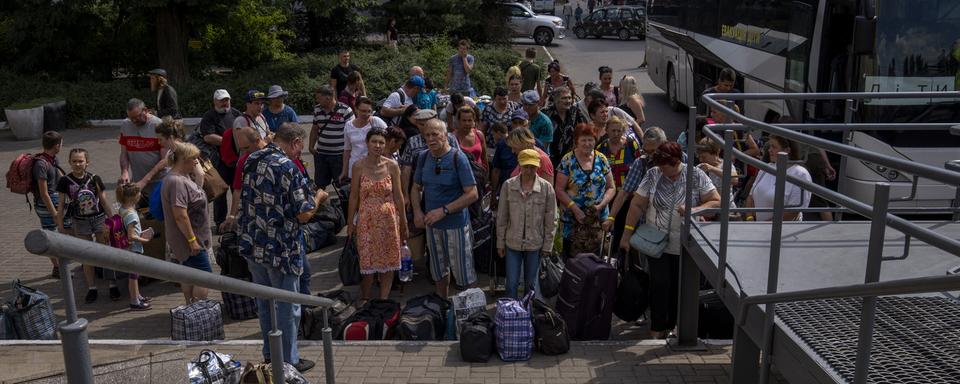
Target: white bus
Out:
[824,46]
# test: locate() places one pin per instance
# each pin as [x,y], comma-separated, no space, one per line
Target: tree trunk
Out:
[172,44]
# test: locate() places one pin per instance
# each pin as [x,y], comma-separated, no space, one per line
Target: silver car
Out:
[525,23]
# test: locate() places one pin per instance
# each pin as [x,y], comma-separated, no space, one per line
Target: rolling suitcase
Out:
[587,292]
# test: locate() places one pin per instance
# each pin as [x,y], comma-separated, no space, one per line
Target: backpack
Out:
[20,174]
[514,329]
[311,323]
[118,233]
[476,208]
[86,200]
[424,318]
[477,338]
[391,121]
[229,154]
[375,321]
[156,202]
[551,331]
[228,257]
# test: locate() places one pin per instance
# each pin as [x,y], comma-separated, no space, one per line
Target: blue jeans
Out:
[288,315]
[304,287]
[530,262]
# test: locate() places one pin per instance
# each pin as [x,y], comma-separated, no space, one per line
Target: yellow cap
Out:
[529,157]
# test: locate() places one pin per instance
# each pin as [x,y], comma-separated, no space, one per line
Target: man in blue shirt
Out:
[445,181]
[274,200]
[277,112]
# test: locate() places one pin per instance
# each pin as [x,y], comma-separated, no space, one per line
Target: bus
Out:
[824,46]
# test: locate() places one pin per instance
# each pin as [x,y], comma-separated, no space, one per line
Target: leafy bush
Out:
[480,21]
[383,72]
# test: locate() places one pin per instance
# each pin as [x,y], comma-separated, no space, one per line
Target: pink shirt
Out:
[546,167]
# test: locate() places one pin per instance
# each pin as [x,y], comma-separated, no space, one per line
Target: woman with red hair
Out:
[660,199]
[583,181]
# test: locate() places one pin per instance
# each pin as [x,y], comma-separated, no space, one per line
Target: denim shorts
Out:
[199,261]
[86,226]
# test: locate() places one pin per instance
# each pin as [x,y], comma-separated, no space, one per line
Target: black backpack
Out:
[477,338]
[551,331]
[377,320]
[632,297]
[424,318]
[479,176]
[229,259]
[390,120]
[311,324]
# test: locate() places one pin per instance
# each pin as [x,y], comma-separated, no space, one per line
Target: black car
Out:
[621,21]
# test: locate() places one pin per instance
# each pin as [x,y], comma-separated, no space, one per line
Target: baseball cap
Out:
[529,157]
[530,97]
[415,81]
[519,114]
[221,94]
[254,95]
[158,71]
[424,114]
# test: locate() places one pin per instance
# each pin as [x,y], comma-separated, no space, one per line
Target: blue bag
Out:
[156,205]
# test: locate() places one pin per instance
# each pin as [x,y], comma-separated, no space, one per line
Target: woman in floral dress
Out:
[584,180]
[373,221]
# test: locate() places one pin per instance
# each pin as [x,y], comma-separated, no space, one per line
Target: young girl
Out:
[127,197]
[88,209]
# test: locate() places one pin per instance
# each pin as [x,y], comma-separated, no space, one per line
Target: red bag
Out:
[20,174]
[228,149]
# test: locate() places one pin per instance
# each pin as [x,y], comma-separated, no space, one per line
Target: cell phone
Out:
[147,233]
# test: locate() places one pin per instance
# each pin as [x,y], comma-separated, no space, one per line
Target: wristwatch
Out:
[445,210]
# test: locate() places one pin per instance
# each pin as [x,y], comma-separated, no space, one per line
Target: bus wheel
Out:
[672,90]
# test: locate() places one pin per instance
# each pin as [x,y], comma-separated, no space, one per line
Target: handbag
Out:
[647,238]
[31,314]
[551,271]
[263,374]
[632,298]
[350,263]
[213,184]
[214,368]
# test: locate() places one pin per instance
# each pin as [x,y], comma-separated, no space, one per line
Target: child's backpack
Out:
[118,233]
[514,328]
[86,200]
[20,174]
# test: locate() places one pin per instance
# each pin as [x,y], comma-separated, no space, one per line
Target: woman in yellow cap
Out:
[525,222]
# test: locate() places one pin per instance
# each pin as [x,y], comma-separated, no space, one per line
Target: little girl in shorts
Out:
[127,196]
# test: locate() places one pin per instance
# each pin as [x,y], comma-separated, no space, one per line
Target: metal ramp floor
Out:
[917,337]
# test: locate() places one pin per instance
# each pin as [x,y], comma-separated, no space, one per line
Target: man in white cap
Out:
[209,137]
[277,112]
[167,104]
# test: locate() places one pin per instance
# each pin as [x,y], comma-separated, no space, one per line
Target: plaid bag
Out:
[239,307]
[514,329]
[32,314]
[214,368]
[200,321]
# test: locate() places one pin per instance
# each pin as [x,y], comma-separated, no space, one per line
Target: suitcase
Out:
[199,321]
[239,307]
[311,323]
[587,292]
[714,320]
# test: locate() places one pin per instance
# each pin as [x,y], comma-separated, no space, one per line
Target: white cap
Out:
[220,94]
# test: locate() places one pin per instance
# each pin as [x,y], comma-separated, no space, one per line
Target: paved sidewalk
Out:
[434,362]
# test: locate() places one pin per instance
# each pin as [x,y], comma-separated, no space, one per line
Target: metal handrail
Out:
[878,212]
[64,247]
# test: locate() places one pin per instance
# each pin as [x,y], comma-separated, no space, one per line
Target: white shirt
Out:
[393,101]
[763,192]
[355,139]
[258,123]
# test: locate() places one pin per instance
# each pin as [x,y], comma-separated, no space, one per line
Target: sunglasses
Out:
[436,168]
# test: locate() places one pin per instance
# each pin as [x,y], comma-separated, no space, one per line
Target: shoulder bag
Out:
[647,238]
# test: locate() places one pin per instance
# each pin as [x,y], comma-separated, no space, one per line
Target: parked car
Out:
[621,21]
[525,23]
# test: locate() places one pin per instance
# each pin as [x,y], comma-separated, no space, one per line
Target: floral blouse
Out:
[585,187]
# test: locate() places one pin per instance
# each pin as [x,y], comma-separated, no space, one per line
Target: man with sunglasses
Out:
[140,151]
[445,182]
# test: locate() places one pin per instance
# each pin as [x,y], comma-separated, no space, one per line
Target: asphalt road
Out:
[581,58]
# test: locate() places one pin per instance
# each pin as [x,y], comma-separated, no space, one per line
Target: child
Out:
[88,209]
[499,131]
[127,196]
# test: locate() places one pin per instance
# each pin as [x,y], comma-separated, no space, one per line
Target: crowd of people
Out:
[551,170]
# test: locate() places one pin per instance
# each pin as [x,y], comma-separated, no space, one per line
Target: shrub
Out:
[383,72]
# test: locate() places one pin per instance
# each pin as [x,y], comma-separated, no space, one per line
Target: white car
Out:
[525,23]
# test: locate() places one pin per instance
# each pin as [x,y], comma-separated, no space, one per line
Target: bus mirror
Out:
[865,36]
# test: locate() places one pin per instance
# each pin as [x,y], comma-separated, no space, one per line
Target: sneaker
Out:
[115,293]
[91,296]
[140,307]
[145,299]
[304,365]
[56,273]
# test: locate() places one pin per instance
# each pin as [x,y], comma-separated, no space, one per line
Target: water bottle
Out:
[406,264]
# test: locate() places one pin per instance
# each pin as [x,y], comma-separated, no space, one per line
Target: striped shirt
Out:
[330,128]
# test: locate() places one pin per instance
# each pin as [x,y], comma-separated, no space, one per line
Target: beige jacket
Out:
[526,223]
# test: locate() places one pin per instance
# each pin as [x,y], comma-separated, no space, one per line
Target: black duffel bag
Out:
[551,331]
[477,338]
[632,293]
[349,267]
[229,259]
[551,271]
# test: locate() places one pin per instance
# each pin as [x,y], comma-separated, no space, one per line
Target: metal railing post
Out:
[689,297]
[773,270]
[328,369]
[276,345]
[726,186]
[868,310]
[77,364]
